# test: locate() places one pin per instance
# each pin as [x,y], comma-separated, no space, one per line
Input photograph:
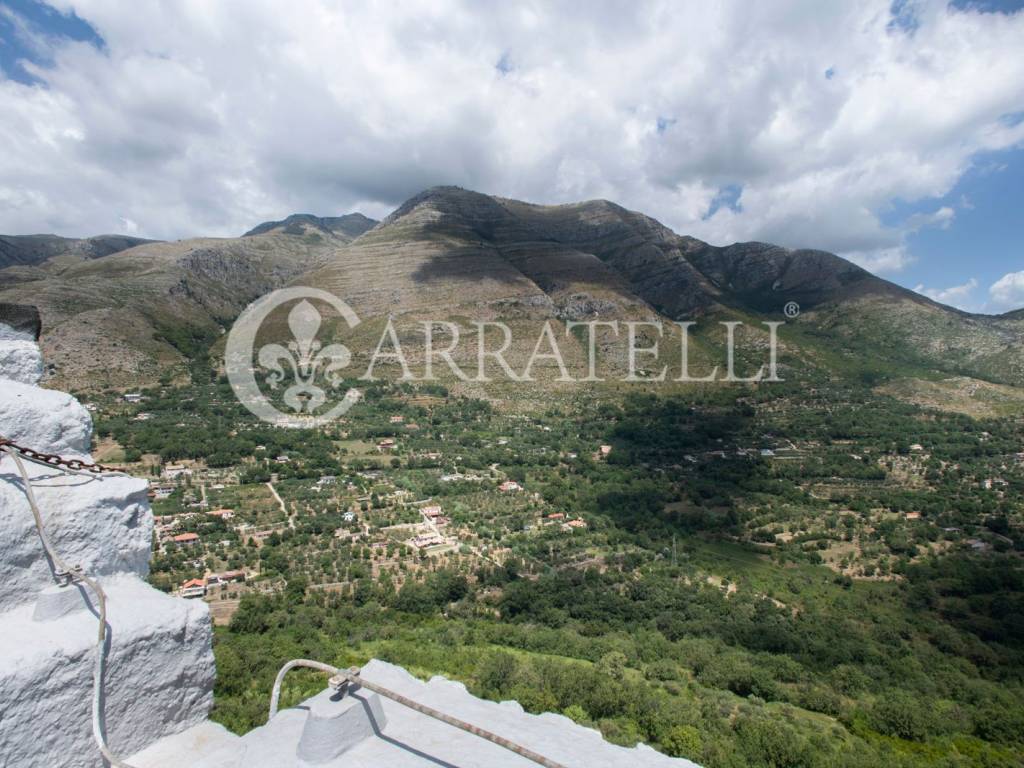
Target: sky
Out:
[891,133]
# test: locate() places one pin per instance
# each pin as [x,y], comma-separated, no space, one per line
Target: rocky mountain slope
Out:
[126,318]
[33,250]
[453,253]
[349,226]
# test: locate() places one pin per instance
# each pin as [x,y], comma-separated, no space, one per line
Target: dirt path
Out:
[280,502]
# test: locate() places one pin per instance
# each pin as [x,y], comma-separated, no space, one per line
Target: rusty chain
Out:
[53,460]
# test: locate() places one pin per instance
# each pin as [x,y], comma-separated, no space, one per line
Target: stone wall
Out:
[160,670]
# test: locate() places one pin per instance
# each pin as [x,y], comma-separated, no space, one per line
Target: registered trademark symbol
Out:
[791,310]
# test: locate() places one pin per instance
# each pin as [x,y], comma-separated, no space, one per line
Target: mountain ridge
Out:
[459,253]
[33,250]
[350,225]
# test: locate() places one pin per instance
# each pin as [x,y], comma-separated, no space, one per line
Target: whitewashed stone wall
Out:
[160,665]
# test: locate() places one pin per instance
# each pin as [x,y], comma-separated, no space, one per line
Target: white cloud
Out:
[959,296]
[885,260]
[203,117]
[940,219]
[1007,292]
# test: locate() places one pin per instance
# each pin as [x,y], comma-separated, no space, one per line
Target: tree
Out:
[682,741]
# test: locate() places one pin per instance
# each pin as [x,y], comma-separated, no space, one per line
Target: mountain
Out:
[349,226]
[451,253]
[468,253]
[33,250]
[128,317]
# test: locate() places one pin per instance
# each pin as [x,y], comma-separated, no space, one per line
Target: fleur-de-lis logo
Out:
[307,369]
[306,358]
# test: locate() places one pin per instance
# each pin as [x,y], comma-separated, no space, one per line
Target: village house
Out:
[424,540]
[228,577]
[510,485]
[223,514]
[577,523]
[186,539]
[193,588]
[162,491]
[385,445]
[431,511]
[556,516]
[175,471]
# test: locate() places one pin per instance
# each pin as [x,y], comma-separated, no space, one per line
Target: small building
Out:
[433,510]
[510,486]
[282,459]
[186,539]
[132,397]
[175,471]
[228,577]
[604,450]
[425,540]
[193,588]
[397,419]
[349,517]
[577,523]
[917,447]
[385,445]
[556,516]
[327,480]
[223,514]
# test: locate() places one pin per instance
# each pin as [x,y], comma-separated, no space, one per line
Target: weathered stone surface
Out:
[43,419]
[19,322]
[160,663]
[404,738]
[21,361]
[100,523]
[159,677]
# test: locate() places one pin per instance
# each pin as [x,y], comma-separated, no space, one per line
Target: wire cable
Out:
[341,676]
[65,574]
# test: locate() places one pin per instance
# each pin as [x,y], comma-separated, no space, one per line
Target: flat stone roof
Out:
[359,729]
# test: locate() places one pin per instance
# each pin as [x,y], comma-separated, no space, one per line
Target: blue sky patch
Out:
[28,30]
[726,197]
